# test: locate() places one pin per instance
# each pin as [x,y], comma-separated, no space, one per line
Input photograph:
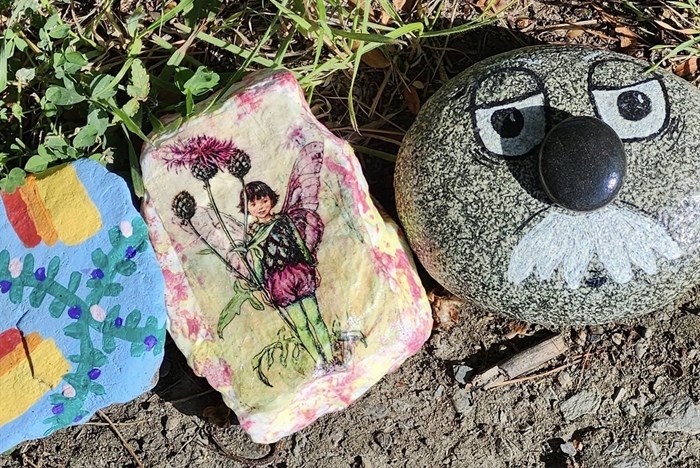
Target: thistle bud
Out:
[184,206]
[239,164]
[203,170]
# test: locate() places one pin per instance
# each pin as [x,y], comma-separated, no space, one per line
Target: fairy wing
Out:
[303,188]
[208,230]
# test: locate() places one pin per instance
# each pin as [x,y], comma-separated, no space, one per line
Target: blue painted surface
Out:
[131,369]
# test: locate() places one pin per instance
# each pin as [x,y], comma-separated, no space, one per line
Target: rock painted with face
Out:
[286,287]
[82,309]
[557,185]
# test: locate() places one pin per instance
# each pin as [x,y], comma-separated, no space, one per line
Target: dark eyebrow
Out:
[506,70]
[615,88]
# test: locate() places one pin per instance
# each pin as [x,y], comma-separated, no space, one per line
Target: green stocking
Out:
[318,326]
[301,323]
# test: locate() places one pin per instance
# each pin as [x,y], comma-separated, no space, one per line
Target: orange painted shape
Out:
[10,360]
[8,340]
[38,212]
[74,216]
[19,218]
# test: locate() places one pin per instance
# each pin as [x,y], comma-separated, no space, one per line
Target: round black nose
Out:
[582,164]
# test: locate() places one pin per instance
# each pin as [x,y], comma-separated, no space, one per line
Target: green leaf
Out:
[126,268]
[56,308]
[98,358]
[86,137]
[25,75]
[99,258]
[131,107]
[101,86]
[74,330]
[196,83]
[133,319]
[113,289]
[234,306]
[140,85]
[63,96]
[37,163]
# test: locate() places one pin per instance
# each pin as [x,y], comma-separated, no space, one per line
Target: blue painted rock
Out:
[295,294]
[82,300]
[557,185]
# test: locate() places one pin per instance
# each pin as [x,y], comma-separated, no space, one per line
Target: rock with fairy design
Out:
[82,300]
[557,185]
[286,287]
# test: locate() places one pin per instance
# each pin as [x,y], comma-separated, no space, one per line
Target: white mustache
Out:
[619,237]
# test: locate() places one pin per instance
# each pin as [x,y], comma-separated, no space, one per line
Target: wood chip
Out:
[522,363]
[445,309]
[375,59]
[627,37]
[410,94]
[688,67]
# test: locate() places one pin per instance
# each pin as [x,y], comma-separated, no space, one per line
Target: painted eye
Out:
[635,112]
[514,128]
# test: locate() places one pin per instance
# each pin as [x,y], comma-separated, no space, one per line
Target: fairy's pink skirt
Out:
[291,284]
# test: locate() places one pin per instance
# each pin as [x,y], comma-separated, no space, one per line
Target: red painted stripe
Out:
[19,217]
[9,339]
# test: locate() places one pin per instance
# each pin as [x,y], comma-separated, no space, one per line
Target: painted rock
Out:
[293,295]
[557,185]
[82,300]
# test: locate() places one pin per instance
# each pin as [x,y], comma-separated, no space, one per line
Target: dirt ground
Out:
[421,416]
[600,404]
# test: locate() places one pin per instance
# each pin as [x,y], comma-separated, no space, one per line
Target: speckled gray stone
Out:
[469,189]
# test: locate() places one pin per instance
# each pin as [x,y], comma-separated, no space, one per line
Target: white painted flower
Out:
[126,228]
[68,391]
[619,237]
[98,313]
[15,267]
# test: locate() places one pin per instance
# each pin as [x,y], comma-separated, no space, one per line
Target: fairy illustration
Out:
[272,255]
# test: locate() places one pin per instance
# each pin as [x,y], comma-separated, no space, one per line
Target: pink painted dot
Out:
[15,267]
[98,313]
[68,391]
[126,229]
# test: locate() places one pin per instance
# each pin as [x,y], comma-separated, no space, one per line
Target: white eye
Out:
[514,128]
[635,112]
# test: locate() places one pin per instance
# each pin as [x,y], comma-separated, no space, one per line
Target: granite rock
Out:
[291,296]
[82,299]
[557,185]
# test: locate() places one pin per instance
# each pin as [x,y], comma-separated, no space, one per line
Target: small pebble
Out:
[580,338]
[462,401]
[568,448]
[640,348]
[383,440]
[654,447]
[462,373]
[619,394]
[647,332]
[617,338]
[439,392]
[564,379]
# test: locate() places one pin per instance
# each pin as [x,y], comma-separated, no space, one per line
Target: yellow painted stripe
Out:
[38,212]
[75,217]
[21,390]
[18,354]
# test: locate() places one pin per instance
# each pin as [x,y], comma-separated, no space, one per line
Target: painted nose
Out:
[582,164]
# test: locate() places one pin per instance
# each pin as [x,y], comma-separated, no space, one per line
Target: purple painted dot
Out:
[97,274]
[57,409]
[94,373]
[77,418]
[75,312]
[5,286]
[118,322]
[150,341]
[40,274]
[130,252]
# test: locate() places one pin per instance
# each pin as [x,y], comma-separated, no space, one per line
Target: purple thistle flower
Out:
[150,341]
[118,322]
[5,286]
[75,312]
[206,149]
[97,274]
[40,274]
[130,252]
[57,409]
[94,373]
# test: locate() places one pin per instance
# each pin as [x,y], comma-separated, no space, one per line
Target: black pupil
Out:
[508,123]
[633,105]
